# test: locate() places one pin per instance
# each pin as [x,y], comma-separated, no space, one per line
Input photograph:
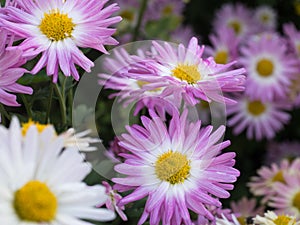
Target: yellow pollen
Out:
[128,15]
[221,57]
[56,26]
[256,108]
[40,127]
[296,201]
[188,73]
[173,167]
[278,177]
[236,26]
[264,18]
[282,220]
[242,220]
[168,10]
[34,202]
[265,67]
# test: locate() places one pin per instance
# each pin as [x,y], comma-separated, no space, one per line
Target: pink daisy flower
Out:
[178,168]
[184,74]
[268,177]
[287,198]
[259,119]
[266,18]
[236,17]
[156,9]
[270,68]
[57,29]
[182,34]
[224,46]
[245,208]
[277,151]
[11,61]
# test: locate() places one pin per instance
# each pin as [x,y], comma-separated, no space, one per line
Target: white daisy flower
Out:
[41,184]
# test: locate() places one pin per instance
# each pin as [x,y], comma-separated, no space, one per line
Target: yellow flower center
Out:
[242,220]
[236,26]
[173,167]
[56,26]
[40,127]
[187,73]
[128,15]
[278,177]
[34,202]
[282,220]
[168,10]
[296,201]
[221,57]
[264,18]
[265,67]
[256,108]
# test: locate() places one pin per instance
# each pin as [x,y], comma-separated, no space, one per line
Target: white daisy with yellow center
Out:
[271,218]
[41,184]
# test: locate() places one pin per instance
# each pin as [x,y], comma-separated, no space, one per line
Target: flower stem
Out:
[47,119]
[4,112]
[140,19]
[62,104]
[27,106]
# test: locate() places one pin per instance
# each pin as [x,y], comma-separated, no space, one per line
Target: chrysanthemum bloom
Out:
[293,36]
[287,198]
[277,151]
[270,68]
[259,119]
[70,137]
[41,184]
[268,177]
[184,74]
[178,168]
[245,208]
[57,29]
[156,9]
[236,17]
[224,46]
[271,218]
[11,61]
[113,200]
[265,18]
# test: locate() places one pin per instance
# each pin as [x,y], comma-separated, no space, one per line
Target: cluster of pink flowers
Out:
[271,63]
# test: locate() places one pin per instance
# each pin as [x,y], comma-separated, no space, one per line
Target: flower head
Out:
[236,17]
[287,195]
[42,183]
[270,68]
[268,177]
[178,168]
[183,73]
[271,218]
[265,17]
[259,119]
[57,29]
